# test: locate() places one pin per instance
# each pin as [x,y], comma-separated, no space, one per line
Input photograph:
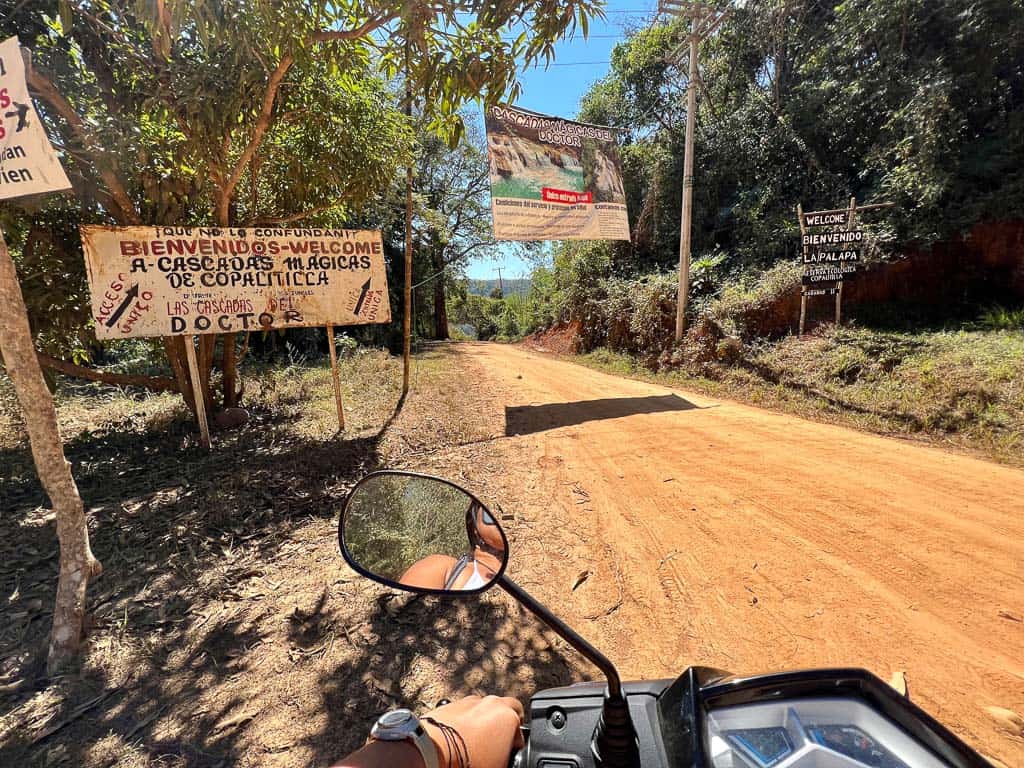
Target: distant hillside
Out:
[484,287]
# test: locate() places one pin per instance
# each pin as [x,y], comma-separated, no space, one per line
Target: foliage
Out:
[393,522]
[1002,319]
[913,102]
[245,112]
[739,301]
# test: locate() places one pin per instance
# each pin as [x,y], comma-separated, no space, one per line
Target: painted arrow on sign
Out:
[133,293]
[362,297]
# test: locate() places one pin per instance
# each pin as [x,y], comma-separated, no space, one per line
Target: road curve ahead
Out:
[751,540]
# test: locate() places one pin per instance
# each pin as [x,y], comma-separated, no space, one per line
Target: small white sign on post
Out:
[28,164]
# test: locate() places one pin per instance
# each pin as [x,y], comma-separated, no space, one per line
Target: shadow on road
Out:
[527,419]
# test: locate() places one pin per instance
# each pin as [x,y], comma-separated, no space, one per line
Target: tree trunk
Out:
[440,310]
[77,563]
[230,370]
[207,345]
[174,347]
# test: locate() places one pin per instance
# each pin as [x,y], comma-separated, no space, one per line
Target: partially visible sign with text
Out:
[168,281]
[28,164]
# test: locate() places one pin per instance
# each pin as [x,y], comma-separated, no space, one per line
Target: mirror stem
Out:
[567,633]
[614,742]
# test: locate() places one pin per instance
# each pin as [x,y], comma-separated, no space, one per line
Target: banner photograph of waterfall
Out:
[554,179]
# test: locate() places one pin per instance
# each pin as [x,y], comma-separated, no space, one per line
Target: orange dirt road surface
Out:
[708,532]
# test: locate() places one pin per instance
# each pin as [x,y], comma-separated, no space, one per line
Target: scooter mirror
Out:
[421,534]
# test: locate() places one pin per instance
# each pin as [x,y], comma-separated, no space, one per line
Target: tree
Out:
[196,112]
[453,221]
[239,112]
[178,121]
[77,563]
[912,102]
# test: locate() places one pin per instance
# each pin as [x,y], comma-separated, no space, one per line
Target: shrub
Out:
[999,318]
[740,307]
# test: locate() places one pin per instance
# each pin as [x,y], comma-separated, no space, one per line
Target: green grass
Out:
[962,388]
[528,188]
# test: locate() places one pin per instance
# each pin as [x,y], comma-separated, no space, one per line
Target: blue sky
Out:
[558,89]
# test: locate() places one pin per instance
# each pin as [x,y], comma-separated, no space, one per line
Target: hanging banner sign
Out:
[554,179]
[28,164]
[170,281]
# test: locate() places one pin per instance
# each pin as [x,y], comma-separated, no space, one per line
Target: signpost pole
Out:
[336,377]
[839,293]
[197,391]
[803,249]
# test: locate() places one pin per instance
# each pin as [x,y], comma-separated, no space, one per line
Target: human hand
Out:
[475,731]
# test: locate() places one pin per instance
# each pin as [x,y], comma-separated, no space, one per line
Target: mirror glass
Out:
[422,534]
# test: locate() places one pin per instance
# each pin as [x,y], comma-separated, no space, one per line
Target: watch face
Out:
[395,719]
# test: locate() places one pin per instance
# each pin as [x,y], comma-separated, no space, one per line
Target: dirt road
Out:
[707,532]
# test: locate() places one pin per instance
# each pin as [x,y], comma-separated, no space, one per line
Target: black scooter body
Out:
[669,715]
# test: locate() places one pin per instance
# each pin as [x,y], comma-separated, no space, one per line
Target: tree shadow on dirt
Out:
[527,419]
[169,521]
[481,646]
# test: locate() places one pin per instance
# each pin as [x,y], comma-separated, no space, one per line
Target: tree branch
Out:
[263,120]
[153,383]
[264,221]
[45,89]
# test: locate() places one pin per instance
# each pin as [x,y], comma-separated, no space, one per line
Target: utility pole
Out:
[407,292]
[501,285]
[704,20]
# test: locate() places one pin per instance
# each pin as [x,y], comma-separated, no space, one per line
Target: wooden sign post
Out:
[839,291]
[803,288]
[831,255]
[197,391]
[336,377]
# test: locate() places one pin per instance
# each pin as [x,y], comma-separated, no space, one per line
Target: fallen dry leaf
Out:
[581,577]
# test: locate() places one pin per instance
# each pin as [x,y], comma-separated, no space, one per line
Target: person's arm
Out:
[429,573]
[486,731]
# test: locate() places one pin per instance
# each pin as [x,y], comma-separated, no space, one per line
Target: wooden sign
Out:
[825,219]
[832,257]
[834,239]
[28,164]
[170,281]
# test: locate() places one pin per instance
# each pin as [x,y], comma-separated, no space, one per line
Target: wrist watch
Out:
[403,725]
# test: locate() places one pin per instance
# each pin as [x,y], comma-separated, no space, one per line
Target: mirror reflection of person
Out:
[476,569]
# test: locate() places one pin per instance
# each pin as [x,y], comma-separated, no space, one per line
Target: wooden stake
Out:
[193,369]
[803,250]
[850,221]
[336,377]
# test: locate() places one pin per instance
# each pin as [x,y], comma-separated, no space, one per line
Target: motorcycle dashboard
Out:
[810,733]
